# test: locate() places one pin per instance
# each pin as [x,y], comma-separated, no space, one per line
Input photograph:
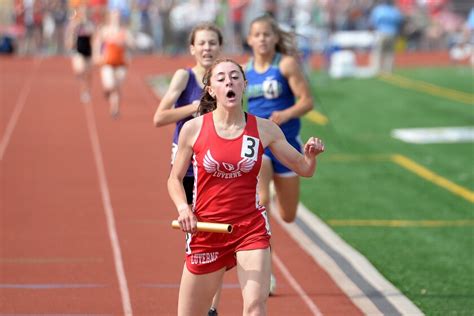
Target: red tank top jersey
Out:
[226,171]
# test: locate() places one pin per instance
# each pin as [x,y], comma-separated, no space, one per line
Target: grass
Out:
[357,180]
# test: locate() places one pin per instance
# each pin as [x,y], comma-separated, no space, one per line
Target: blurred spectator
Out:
[8,30]
[237,10]
[31,15]
[163,30]
[182,22]
[98,11]
[463,50]
[469,27]
[143,7]
[406,6]
[356,15]
[416,23]
[122,6]
[143,20]
[271,8]
[433,7]
[59,13]
[7,42]
[386,20]
[299,16]
[452,24]
[162,25]
[469,34]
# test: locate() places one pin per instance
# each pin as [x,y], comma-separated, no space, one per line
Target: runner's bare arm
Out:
[303,164]
[187,137]
[96,46]
[165,112]
[292,71]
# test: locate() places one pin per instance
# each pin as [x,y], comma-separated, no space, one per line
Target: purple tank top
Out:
[191,93]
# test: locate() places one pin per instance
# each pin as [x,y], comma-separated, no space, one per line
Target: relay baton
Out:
[208,227]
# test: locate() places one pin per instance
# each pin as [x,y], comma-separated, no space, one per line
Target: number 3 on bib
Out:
[249,147]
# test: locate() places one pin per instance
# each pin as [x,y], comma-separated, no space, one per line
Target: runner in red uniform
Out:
[226,179]
[226,147]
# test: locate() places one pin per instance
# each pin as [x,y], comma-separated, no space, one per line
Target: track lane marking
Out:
[295,285]
[430,176]
[30,260]
[350,267]
[177,285]
[49,286]
[411,166]
[399,223]
[428,88]
[109,212]
[19,105]
[323,259]
[317,117]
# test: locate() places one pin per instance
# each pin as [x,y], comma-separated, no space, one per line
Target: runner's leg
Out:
[196,291]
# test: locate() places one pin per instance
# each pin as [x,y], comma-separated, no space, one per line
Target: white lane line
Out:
[295,285]
[330,266]
[109,212]
[50,286]
[20,104]
[359,262]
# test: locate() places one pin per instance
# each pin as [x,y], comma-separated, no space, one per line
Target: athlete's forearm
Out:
[168,116]
[300,108]
[310,166]
[313,147]
[176,192]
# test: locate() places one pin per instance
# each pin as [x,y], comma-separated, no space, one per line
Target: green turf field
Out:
[409,208]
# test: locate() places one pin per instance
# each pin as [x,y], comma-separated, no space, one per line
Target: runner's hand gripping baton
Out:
[208,227]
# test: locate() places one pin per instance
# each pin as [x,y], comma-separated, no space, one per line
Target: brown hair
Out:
[208,103]
[286,39]
[206,26]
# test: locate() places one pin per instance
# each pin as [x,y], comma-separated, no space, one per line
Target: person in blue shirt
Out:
[386,20]
[470,33]
[180,102]
[470,19]
[277,90]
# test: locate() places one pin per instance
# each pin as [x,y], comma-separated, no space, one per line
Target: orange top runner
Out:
[114,50]
[114,54]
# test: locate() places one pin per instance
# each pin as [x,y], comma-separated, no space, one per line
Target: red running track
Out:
[84,211]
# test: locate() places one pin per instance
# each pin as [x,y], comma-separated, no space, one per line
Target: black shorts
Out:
[84,46]
[188,183]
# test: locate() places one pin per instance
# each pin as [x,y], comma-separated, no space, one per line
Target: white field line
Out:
[109,212]
[20,104]
[330,266]
[295,285]
[360,263]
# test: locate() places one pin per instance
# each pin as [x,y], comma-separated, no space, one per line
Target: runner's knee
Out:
[256,305]
[288,217]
